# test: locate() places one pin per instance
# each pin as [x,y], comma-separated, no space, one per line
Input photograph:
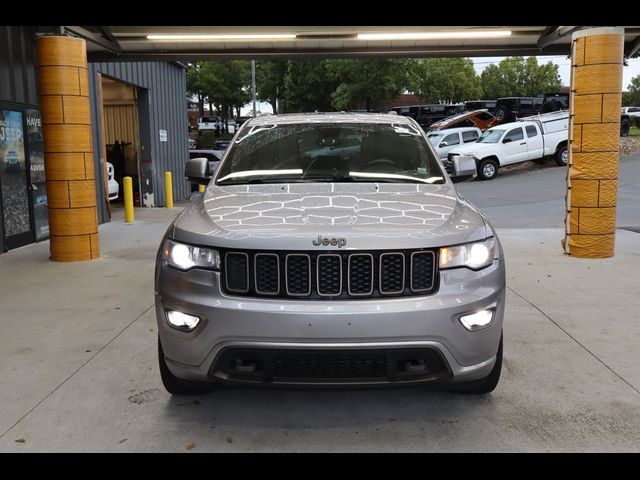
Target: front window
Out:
[491,136]
[330,152]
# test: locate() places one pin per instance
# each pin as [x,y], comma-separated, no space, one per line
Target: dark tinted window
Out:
[634,109]
[531,131]
[526,103]
[463,123]
[515,134]
[469,136]
[484,116]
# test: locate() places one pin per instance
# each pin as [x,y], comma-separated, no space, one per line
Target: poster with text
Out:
[36,170]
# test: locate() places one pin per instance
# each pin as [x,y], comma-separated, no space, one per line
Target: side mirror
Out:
[443,144]
[197,170]
[464,168]
[506,140]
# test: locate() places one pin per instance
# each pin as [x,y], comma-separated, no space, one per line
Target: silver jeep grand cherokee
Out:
[330,249]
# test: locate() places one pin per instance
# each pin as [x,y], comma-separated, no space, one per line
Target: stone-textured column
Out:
[594,138]
[63,84]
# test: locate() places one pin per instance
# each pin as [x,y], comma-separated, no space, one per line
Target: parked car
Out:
[222,144]
[489,105]
[428,114]
[334,270]
[553,102]
[481,119]
[509,109]
[114,187]
[631,111]
[192,143]
[12,162]
[528,139]
[208,123]
[444,141]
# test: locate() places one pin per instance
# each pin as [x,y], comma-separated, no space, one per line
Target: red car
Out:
[476,118]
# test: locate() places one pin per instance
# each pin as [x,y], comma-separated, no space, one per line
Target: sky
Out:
[480,63]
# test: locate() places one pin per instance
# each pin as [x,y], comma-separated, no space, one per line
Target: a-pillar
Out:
[63,85]
[594,138]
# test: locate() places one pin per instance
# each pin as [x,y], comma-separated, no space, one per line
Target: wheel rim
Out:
[489,170]
[564,156]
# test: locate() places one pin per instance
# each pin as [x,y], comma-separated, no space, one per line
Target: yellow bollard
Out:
[168,189]
[128,199]
[201,188]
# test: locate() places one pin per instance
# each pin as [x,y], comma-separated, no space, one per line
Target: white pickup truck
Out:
[530,138]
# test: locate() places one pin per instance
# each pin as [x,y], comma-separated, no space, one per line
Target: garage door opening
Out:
[121,138]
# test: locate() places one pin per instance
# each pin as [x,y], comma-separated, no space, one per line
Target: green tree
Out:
[194,85]
[368,81]
[632,97]
[309,85]
[444,80]
[226,85]
[270,81]
[520,77]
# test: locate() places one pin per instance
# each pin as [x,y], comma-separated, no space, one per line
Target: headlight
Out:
[475,255]
[185,257]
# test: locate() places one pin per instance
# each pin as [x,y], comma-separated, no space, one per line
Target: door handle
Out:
[523,143]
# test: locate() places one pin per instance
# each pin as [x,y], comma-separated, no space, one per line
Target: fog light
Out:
[477,321]
[182,321]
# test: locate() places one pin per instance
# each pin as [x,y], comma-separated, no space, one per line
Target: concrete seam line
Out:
[76,371]
[575,340]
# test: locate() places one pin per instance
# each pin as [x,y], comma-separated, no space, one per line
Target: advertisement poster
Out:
[13,174]
[36,169]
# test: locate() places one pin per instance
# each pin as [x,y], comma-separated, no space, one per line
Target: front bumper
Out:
[415,322]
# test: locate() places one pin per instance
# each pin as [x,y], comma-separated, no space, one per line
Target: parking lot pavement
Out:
[532,196]
[80,364]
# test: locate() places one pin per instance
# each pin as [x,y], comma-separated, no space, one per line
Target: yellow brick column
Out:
[594,134]
[63,84]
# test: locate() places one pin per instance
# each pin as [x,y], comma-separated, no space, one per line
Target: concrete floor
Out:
[79,364]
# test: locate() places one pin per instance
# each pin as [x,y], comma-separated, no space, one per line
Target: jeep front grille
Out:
[329,275]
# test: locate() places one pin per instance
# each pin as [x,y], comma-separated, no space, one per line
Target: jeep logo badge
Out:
[336,242]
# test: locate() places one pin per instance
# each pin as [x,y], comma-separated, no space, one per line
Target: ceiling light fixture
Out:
[461,34]
[223,37]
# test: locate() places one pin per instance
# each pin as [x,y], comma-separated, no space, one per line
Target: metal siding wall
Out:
[167,110]
[17,65]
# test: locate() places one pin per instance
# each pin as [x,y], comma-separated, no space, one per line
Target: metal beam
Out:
[634,48]
[549,37]
[292,54]
[107,33]
[111,45]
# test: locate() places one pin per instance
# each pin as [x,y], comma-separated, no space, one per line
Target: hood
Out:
[366,215]
[473,147]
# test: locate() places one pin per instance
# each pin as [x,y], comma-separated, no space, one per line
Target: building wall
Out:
[17,65]
[18,86]
[165,109]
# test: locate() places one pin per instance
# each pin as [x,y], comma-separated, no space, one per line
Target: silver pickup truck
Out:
[330,249]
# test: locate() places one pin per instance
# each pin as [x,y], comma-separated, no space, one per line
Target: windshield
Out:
[330,152]
[208,119]
[434,138]
[490,136]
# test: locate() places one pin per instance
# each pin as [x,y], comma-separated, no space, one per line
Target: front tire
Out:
[179,386]
[484,385]
[488,169]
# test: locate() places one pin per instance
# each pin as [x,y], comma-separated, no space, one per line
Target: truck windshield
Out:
[330,152]
[490,136]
